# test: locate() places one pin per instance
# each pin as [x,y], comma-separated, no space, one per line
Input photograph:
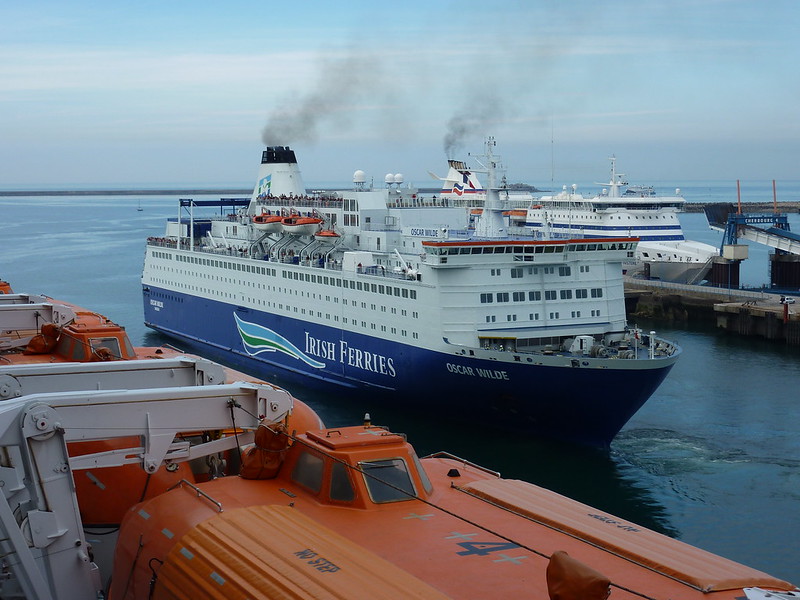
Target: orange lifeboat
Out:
[299,225]
[326,235]
[516,214]
[268,223]
[352,512]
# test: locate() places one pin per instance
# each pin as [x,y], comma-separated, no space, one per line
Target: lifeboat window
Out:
[70,348]
[308,471]
[101,345]
[341,488]
[426,483]
[388,480]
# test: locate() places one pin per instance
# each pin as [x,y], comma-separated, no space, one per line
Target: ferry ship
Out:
[421,300]
[622,211]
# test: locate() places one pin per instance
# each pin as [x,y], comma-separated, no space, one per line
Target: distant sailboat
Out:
[139,207]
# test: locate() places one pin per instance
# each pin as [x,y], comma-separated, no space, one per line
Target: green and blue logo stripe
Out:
[258,339]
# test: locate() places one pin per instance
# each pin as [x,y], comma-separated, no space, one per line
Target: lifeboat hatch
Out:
[227,556]
[351,437]
[678,560]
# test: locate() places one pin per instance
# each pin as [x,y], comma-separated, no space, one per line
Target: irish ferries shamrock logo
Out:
[258,339]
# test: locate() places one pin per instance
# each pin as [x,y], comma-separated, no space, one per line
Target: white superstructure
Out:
[626,211]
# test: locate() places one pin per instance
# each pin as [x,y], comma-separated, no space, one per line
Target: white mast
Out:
[491,223]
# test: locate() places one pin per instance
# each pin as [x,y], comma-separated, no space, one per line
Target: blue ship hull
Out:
[576,403]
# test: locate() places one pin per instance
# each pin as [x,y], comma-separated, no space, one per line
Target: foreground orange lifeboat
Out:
[352,512]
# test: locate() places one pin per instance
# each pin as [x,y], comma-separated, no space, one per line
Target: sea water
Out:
[713,458]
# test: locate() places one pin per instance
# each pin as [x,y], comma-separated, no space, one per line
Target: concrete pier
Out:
[743,312]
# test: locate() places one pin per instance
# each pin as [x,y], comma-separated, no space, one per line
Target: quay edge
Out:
[741,312]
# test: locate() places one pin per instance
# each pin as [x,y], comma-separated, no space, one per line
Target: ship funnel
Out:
[278,174]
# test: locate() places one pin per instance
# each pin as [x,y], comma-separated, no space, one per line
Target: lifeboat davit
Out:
[327,236]
[268,223]
[296,225]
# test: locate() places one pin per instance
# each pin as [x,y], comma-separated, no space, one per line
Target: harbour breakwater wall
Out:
[741,312]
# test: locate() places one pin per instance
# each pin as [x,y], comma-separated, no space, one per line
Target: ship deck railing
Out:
[330,265]
[408,200]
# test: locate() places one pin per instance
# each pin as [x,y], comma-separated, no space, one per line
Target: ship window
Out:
[564,271]
[566,294]
[537,295]
[387,480]
[516,273]
[486,298]
[597,292]
[308,471]
[518,296]
[341,488]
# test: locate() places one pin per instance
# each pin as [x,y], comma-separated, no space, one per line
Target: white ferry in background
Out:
[621,211]
[419,300]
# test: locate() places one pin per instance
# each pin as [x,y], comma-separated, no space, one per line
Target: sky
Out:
[188,93]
